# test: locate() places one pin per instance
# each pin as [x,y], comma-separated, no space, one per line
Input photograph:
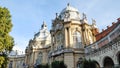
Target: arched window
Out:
[59,40]
[39,58]
[77,40]
[11,64]
[108,62]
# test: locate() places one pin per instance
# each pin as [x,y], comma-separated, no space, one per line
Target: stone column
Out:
[45,57]
[70,39]
[85,37]
[101,63]
[52,41]
[66,38]
[26,57]
[116,63]
[33,58]
[14,62]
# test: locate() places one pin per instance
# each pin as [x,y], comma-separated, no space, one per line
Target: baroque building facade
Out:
[72,37]
[69,35]
[38,48]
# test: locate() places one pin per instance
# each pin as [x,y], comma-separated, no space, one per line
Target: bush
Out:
[88,64]
[58,64]
[55,64]
[42,66]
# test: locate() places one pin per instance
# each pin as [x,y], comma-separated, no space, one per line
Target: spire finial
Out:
[68,4]
[44,24]
[56,15]
[93,21]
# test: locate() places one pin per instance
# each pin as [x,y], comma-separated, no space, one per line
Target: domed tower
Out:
[69,13]
[43,34]
[66,37]
[43,37]
[67,28]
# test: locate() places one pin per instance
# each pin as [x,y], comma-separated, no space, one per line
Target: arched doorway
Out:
[108,63]
[11,64]
[96,64]
[118,57]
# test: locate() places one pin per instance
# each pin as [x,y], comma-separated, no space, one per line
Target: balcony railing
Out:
[113,45]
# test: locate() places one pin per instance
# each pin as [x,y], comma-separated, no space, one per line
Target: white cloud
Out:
[16,47]
[18,50]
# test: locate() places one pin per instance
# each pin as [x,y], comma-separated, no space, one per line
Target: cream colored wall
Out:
[17,61]
[86,34]
[88,37]
[69,60]
[68,29]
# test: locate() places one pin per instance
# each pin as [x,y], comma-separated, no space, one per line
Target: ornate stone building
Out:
[38,47]
[70,33]
[16,59]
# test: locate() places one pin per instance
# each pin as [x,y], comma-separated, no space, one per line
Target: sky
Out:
[28,15]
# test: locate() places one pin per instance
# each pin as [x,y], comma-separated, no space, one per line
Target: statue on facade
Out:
[84,16]
[94,23]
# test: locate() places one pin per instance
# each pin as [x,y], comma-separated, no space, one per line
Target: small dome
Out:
[16,51]
[43,34]
[70,13]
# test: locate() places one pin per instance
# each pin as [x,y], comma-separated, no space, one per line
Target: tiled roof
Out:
[107,31]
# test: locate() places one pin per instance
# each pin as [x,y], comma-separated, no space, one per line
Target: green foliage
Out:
[62,65]
[6,41]
[88,64]
[55,64]
[2,59]
[58,64]
[43,66]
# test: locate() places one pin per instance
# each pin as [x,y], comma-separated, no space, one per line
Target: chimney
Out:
[108,26]
[118,19]
[102,29]
[113,23]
